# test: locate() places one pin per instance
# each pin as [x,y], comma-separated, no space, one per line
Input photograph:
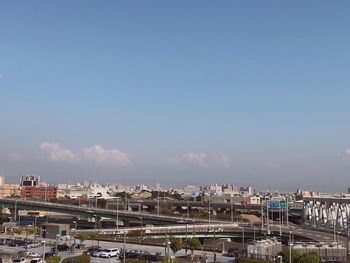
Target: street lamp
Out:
[141,227]
[290,247]
[43,242]
[280,258]
[56,243]
[75,229]
[124,241]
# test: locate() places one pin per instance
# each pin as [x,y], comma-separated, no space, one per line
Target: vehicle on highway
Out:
[96,253]
[36,260]
[90,250]
[20,260]
[110,252]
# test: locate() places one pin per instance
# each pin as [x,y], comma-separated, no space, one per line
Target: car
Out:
[16,243]
[33,245]
[49,254]
[96,253]
[60,247]
[90,250]
[110,252]
[19,260]
[31,254]
[37,260]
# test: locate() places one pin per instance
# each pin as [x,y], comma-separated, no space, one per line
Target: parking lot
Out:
[106,245]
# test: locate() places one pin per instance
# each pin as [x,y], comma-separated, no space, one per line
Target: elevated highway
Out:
[79,211]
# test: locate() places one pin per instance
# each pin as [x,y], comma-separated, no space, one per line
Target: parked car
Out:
[61,247]
[20,260]
[49,254]
[90,250]
[33,245]
[37,260]
[96,253]
[16,243]
[31,254]
[110,252]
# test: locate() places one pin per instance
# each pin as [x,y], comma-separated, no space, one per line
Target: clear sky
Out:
[177,92]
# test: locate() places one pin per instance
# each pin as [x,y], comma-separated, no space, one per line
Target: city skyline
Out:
[177,93]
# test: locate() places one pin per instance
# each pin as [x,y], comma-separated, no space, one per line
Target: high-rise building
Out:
[30,180]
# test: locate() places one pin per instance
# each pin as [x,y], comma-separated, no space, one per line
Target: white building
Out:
[264,249]
[191,191]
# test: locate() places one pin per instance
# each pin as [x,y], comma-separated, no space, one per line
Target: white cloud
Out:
[201,159]
[197,159]
[57,153]
[14,157]
[94,153]
[98,154]
[347,152]
[224,160]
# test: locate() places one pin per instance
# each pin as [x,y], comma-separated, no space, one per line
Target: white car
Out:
[19,260]
[97,253]
[37,260]
[31,254]
[110,252]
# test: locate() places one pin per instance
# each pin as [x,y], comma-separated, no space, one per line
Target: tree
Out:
[310,257]
[30,230]
[17,231]
[295,255]
[94,236]
[82,237]
[175,244]
[193,243]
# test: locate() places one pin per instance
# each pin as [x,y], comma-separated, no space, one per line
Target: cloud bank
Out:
[97,154]
[201,160]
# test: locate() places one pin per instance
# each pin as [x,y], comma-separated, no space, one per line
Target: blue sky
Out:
[185,92]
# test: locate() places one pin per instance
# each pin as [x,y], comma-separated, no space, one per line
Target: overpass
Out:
[196,204]
[79,211]
[327,213]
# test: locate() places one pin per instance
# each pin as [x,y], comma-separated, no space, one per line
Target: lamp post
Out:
[57,236]
[231,206]
[124,241]
[290,247]
[141,228]
[209,211]
[44,243]
[186,239]
[158,204]
[75,230]
[168,246]
[280,258]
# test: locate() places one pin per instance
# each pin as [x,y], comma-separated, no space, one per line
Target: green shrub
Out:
[53,259]
[78,259]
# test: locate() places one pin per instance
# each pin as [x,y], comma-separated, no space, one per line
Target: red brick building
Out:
[39,192]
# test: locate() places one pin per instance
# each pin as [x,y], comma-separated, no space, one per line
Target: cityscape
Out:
[174,131]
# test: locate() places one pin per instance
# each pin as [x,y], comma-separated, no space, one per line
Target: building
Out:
[7,190]
[30,180]
[52,231]
[264,249]
[246,190]
[191,191]
[39,192]
[331,252]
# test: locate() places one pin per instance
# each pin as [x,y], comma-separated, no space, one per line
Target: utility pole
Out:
[158,204]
